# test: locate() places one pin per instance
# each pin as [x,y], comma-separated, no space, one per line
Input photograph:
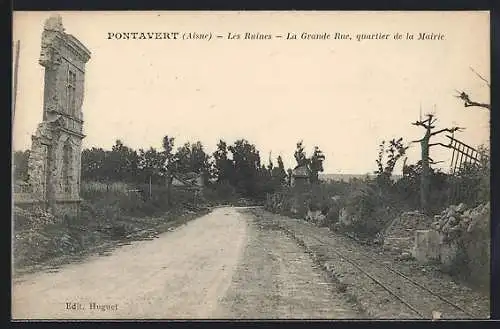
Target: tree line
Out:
[238,164]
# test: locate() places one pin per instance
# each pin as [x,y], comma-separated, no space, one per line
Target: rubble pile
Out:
[399,236]
[465,241]
[457,220]
[459,239]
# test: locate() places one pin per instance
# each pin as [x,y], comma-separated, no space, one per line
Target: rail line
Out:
[387,286]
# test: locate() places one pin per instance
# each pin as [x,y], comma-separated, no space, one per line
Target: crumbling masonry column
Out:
[55,158]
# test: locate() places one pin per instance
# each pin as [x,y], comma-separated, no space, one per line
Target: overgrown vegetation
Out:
[364,207]
[105,216]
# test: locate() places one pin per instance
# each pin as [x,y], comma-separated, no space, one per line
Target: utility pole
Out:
[16,68]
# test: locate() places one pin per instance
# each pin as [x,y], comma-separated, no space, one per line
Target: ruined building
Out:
[55,158]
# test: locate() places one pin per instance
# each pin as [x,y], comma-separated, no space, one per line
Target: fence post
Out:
[150,191]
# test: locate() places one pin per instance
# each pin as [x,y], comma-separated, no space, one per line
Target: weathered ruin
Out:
[55,158]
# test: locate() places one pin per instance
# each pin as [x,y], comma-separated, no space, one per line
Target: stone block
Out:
[461,207]
[448,253]
[426,247]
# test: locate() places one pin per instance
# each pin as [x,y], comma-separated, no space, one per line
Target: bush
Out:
[220,193]
[472,182]
[332,216]
[23,219]
[137,202]
[367,210]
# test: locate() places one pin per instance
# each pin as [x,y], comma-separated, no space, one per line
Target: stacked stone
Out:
[456,220]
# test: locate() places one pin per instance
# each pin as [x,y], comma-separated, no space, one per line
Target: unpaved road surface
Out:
[416,291]
[276,279]
[227,264]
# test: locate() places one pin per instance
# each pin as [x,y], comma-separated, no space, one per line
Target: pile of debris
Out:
[459,239]
[455,221]
[399,235]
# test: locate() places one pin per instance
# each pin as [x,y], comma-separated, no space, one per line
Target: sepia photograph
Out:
[250,165]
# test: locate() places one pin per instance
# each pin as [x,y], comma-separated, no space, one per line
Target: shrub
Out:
[34,218]
[332,216]
[220,193]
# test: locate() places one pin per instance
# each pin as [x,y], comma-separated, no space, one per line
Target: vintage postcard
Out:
[251,165]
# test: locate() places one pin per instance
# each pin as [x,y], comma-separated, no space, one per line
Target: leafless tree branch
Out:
[480,77]
[420,123]
[468,102]
[450,130]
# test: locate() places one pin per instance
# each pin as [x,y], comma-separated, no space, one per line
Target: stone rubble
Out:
[399,236]
[457,220]
[463,242]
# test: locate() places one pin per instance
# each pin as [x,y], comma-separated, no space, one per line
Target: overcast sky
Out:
[344,96]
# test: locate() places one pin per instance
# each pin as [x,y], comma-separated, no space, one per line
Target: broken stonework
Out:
[55,159]
[427,246]
[448,254]
[399,235]
[462,237]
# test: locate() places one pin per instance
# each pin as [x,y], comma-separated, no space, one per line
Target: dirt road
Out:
[222,265]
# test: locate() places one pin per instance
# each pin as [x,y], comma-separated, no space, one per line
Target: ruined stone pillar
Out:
[55,159]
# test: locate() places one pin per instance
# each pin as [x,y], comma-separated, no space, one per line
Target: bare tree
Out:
[468,102]
[428,125]
[466,98]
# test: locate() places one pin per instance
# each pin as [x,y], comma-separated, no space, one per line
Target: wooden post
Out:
[16,68]
[150,191]
[452,160]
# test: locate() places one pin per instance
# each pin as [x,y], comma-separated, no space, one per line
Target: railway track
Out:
[409,296]
[420,300]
